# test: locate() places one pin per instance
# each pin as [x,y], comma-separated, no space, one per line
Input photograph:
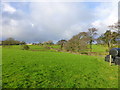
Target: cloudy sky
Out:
[43,21]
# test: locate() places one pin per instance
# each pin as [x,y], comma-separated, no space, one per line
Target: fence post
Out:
[110,60]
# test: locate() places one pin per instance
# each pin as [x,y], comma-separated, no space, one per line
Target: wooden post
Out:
[110,60]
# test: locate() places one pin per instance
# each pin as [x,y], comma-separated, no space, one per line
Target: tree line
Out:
[12,41]
[85,40]
[81,41]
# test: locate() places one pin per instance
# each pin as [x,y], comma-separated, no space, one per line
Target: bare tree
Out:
[50,42]
[91,34]
[109,38]
[77,43]
[116,28]
[62,43]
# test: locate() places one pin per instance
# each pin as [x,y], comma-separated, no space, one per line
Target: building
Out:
[29,44]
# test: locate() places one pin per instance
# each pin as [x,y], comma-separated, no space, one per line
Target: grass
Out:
[43,68]
[99,48]
[0,67]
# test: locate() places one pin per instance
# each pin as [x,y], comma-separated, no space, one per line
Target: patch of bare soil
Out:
[37,50]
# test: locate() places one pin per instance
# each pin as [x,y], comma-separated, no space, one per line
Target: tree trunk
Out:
[91,46]
[109,44]
[61,46]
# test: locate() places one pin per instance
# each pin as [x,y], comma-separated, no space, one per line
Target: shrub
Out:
[47,47]
[25,47]
[84,53]
[107,50]
[77,43]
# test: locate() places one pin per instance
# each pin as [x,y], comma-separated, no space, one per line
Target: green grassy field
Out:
[99,48]
[43,68]
[0,66]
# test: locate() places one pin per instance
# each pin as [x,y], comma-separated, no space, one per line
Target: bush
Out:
[84,53]
[25,47]
[107,50]
[77,43]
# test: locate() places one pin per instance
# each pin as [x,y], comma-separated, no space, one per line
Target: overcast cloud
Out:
[38,22]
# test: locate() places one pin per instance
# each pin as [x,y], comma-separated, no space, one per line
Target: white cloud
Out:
[60,20]
[8,8]
[13,22]
[97,23]
[106,14]
[55,21]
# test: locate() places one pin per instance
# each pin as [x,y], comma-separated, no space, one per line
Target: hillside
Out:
[43,68]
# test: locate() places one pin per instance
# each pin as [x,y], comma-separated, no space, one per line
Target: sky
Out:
[43,21]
